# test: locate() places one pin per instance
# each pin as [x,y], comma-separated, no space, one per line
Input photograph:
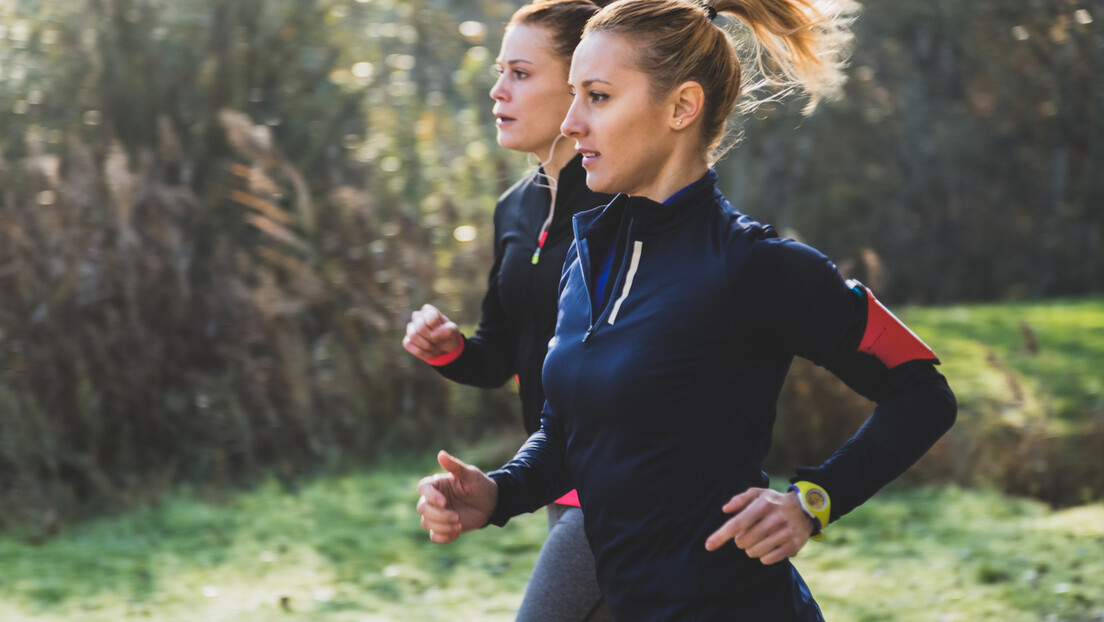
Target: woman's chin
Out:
[597,184]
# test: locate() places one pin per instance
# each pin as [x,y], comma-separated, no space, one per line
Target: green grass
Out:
[350,548]
[959,555]
[347,548]
[992,364]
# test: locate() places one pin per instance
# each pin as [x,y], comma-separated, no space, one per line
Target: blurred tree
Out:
[963,162]
[215,216]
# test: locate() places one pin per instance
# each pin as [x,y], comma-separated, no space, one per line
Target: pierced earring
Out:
[678,122]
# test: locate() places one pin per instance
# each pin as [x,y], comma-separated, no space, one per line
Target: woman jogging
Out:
[532,233]
[678,320]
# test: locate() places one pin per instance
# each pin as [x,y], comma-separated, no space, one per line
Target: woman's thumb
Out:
[452,465]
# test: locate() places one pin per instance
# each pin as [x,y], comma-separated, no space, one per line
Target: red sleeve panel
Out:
[887,338]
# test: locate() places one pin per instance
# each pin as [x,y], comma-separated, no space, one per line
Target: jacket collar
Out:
[649,216]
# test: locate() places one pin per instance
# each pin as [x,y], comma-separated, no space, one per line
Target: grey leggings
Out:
[563,587]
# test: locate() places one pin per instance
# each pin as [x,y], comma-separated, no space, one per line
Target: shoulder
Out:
[739,226]
[515,194]
[759,258]
[786,254]
[513,210]
[517,189]
[785,263]
[741,235]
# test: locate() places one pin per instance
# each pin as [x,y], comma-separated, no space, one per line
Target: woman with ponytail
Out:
[678,320]
[532,233]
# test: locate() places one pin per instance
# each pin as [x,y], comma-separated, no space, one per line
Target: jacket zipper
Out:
[584,265]
[627,272]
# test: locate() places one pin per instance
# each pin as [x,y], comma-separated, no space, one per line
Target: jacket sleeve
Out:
[536,476]
[811,311]
[487,360]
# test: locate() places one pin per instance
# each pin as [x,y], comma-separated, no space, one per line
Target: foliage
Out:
[350,548]
[204,277]
[216,215]
[963,162]
[1033,404]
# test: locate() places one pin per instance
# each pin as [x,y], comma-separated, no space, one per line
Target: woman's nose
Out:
[498,90]
[572,125]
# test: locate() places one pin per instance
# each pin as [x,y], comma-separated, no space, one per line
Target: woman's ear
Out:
[688,101]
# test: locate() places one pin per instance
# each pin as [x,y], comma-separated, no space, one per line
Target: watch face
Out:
[815,500]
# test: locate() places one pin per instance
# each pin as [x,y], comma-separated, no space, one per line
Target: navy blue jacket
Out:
[661,402]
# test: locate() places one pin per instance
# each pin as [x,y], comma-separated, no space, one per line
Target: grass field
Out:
[1034,359]
[350,548]
[347,548]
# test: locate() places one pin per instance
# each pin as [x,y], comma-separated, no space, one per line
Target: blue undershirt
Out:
[598,292]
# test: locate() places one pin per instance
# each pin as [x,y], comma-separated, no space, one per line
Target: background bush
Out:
[216,216]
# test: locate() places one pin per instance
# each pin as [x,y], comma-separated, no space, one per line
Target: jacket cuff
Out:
[501,514]
[448,357]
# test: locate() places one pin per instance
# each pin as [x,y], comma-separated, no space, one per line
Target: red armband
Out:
[447,357]
[887,338]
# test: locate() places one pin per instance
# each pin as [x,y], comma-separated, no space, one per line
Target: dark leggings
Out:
[563,587]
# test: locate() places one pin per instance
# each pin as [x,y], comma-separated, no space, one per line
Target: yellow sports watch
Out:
[816,503]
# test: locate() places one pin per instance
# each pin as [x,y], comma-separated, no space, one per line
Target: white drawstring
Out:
[539,173]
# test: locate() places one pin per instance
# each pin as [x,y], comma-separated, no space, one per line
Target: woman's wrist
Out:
[815,503]
[448,357]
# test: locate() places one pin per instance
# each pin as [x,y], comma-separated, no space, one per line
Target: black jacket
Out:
[519,309]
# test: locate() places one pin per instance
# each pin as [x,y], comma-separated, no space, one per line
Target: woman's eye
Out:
[596,96]
[498,70]
[520,75]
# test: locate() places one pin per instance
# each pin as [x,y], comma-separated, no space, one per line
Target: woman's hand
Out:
[457,501]
[430,334]
[768,525]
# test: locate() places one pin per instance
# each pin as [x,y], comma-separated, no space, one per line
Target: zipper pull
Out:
[586,335]
[540,245]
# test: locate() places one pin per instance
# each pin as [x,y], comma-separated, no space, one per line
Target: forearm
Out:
[536,476]
[917,410]
[484,362]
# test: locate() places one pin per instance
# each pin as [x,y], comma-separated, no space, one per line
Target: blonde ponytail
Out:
[795,46]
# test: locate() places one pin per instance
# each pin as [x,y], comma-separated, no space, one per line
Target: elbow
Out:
[933,396]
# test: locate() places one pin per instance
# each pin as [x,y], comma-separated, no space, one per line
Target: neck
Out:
[685,163]
[556,156]
[678,175]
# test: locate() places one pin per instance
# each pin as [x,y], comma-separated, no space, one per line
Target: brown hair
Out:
[563,19]
[797,45]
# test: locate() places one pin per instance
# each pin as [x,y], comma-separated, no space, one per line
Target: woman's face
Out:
[623,133]
[531,94]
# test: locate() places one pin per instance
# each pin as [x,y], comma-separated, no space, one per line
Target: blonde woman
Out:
[532,233]
[662,383]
